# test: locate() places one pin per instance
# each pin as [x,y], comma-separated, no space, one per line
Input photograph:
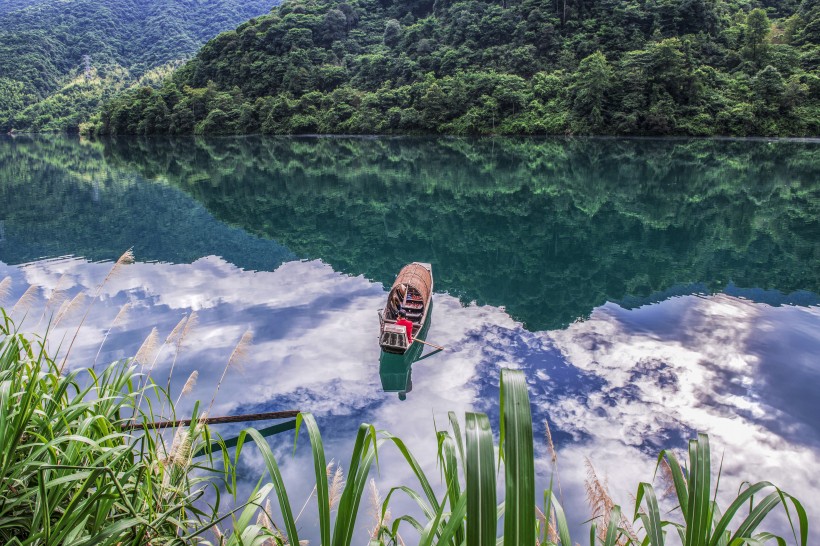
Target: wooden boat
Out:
[411,291]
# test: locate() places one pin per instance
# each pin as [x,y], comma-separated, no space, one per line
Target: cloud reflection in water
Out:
[616,388]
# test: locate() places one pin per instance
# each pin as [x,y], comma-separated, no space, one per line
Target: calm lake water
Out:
[648,288]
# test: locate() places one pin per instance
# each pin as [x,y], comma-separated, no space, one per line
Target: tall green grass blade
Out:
[276,477]
[455,523]
[320,470]
[480,480]
[698,525]
[516,418]
[560,521]
[432,528]
[678,480]
[416,468]
[447,455]
[429,513]
[652,523]
[457,436]
[756,516]
[763,538]
[801,516]
[612,529]
[364,452]
[731,512]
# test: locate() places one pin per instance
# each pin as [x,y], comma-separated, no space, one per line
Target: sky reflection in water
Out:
[629,379]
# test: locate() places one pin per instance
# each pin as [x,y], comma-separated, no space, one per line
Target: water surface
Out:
[648,288]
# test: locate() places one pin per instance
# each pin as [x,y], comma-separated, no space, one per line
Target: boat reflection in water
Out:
[395,370]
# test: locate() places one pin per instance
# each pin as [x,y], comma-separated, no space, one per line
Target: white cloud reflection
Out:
[616,387]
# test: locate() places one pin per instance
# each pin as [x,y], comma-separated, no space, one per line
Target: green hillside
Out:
[44,84]
[637,67]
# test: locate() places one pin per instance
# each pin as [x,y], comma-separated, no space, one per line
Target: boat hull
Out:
[411,292]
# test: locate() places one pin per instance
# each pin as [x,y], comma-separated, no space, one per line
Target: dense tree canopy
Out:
[44,84]
[678,67]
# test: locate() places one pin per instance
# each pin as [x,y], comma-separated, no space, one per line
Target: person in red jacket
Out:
[402,321]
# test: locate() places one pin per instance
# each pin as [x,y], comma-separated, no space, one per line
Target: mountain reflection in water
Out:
[693,267]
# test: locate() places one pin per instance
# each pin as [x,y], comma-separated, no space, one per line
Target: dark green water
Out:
[548,229]
[649,288]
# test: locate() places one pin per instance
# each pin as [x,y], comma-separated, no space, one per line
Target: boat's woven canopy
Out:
[418,277]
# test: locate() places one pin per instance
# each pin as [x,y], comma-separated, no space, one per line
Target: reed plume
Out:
[56,298]
[337,484]
[549,527]
[61,312]
[126,258]
[601,504]
[263,519]
[553,530]
[598,498]
[5,288]
[190,321]
[144,354]
[69,307]
[554,459]
[147,349]
[26,300]
[189,385]
[376,507]
[239,353]
[176,331]
[121,315]
[117,320]
[171,454]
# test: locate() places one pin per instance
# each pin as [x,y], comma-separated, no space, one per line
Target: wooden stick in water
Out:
[217,420]
[440,348]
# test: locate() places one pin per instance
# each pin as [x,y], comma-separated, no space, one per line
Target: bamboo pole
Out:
[440,348]
[216,420]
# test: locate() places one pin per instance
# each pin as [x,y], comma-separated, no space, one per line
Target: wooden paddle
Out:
[440,348]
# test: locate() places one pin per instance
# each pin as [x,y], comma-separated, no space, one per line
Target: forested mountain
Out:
[59,58]
[639,67]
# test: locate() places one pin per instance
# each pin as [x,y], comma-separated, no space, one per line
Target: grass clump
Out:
[72,472]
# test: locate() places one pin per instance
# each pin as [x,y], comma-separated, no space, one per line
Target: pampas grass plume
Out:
[5,288]
[75,303]
[26,299]
[176,331]
[121,315]
[240,352]
[147,348]
[190,384]
[337,483]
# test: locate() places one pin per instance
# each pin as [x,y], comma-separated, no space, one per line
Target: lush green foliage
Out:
[43,47]
[71,473]
[666,67]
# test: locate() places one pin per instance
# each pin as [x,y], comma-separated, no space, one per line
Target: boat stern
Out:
[393,339]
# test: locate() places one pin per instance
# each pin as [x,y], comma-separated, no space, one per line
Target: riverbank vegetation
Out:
[60,60]
[73,472]
[668,67]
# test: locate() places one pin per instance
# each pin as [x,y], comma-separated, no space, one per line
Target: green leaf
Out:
[652,525]
[480,480]
[320,470]
[516,419]
[698,525]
